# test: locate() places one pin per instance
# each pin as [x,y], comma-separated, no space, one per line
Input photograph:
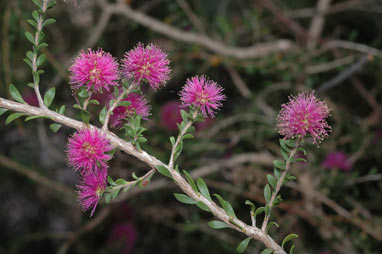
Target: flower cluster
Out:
[138,105]
[149,64]
[302,115]
[95,70]
[204,94]
[86,153]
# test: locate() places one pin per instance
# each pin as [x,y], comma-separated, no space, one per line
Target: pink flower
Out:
[170,115]
[302,115]
[138,106]
[91,188]
[96,70]
[86,150]
[337,160]
[202,93]
[149,64]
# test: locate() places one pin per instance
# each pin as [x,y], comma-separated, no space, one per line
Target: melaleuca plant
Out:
[119,126]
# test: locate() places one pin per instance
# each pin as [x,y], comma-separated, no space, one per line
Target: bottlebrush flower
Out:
[202,93]
[86,148]
[95,70]
[337,160]
[302,115]
[139,106]
[170,115]
[91,188]
[149,64]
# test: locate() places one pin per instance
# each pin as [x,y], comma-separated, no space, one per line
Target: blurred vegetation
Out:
[332,210]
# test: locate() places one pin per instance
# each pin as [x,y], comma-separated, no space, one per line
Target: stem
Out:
[86,102]
[250,231]
[35,53]
[148,175]
[179,138]
[280,183]
[118,100]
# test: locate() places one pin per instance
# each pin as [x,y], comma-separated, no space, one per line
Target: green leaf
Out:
[55,127]
[190,180]
[291,249]
[267,251]
[40,60]
[12,117]
[188,135]
[202,206]
[32,23]
[301,160]
[277,173]
[226,206]
[107,198]
[42,45]
[29,37]
[33,117]
[270,224]
[121,181]
[217,224]
[51,4]
[94,102]
[85,116]
[259,211]
[36,77]
[48,22]
[284,154]
[288,238]
[124,103]
[243,245]
[301,149]
[253,207]
[267,193]
[62,110]
[114,193]
[49,96]
[83,93]
[2,111]
[184,199]
[284,146]
[102,115]
[291,143]
[279,164]
[29,62]
[110,180]
[38,3]
[272,181]
[15,94]
[172,140]
[267,210]
[184,115]
[163,170]
[203,188]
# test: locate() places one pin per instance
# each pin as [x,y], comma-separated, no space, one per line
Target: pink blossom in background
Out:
[302,115]
[125,234]
[31,98]
[95,70]
[103,97]
[139,106]
[91,188]
[203,94]
[146,64]
[86,148]
[170,115]
[337,160]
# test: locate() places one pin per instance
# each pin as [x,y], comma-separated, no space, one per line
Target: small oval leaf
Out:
[163,170]
[203,188]
[217,224]
[243,245]
[267,193]
[184,199]
[15,94]
[288,238]
[49,96]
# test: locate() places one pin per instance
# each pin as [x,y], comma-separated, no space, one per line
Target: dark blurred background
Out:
[332,47]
